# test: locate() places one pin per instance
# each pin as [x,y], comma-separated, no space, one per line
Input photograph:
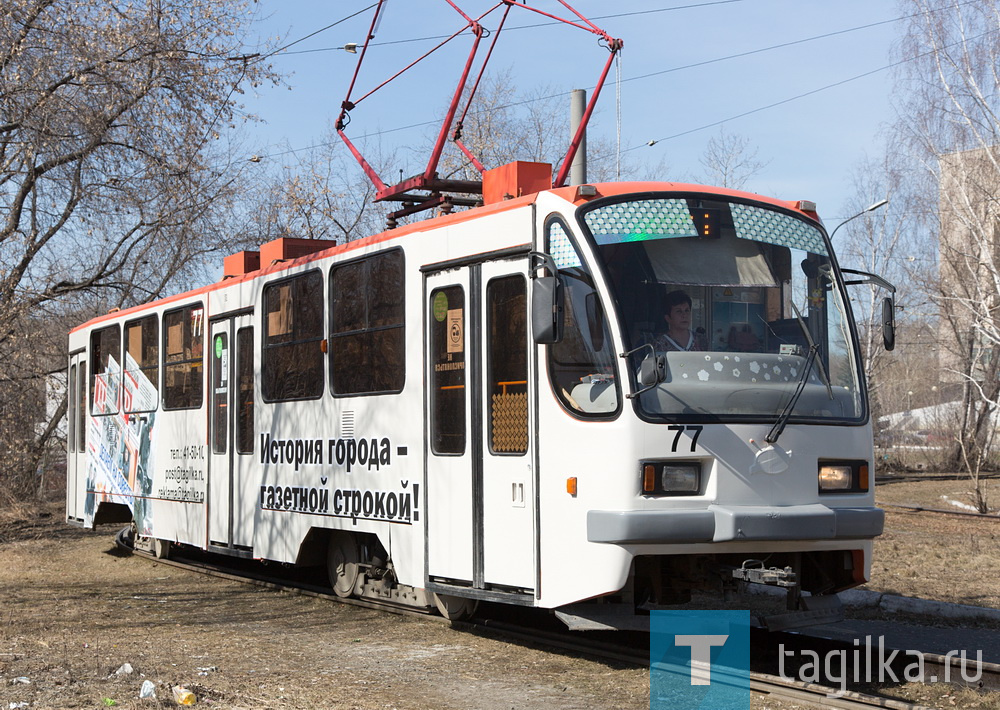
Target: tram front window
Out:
[734,296]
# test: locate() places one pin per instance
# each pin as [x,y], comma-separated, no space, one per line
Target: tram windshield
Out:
[731,298]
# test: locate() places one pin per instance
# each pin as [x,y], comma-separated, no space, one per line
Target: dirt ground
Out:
[948,558]
[75,610]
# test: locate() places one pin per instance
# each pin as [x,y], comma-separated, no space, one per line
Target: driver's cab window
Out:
[719,318]
[582,364]
[738,302]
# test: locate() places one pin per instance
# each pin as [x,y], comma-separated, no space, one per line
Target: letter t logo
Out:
[701,654]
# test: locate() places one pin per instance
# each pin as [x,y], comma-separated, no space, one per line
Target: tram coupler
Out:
[754,572]
[771,576]
[802,610]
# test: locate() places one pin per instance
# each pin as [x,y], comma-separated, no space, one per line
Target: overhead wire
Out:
[658,73]
[515,104]
[518,27]
[283,49]
[810,92]
[258,58]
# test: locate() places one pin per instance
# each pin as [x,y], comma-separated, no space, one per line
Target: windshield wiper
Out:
[812,344]
[779,426]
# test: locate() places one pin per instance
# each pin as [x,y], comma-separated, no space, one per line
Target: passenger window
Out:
[507,364]
[105,370]
[292,358]
[244,391]
[367,325]
[447,360]
[71,413]
[183,366]
[582,364]
[81,424]
[142,364]
[220,392]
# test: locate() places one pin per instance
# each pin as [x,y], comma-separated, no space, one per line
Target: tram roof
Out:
[570,193]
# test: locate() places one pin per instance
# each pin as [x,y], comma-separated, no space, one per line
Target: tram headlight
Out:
[837,476]
[675,478]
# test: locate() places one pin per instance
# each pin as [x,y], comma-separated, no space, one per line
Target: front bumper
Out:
[721,523]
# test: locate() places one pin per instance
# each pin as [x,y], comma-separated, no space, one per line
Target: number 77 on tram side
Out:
[481,407]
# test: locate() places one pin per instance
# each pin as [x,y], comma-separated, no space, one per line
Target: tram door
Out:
[76,436]
[480,451]
[231,399]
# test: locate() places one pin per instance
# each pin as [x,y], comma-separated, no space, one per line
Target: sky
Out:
[813,109]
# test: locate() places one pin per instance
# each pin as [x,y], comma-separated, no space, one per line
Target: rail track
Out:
[907,477]
[627,649]
[914,508]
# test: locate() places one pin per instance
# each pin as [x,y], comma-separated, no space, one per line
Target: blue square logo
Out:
[699,659]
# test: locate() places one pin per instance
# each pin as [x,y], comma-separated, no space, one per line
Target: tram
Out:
[494,404]
[475,407]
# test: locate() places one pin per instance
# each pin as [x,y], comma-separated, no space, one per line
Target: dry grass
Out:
[74,611]
[939,695]
[947,558]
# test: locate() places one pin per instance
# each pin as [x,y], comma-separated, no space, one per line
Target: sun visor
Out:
[726,262]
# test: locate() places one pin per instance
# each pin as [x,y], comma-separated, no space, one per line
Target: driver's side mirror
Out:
[652,370]
[888,303]
[546,309]
[546,300]
[888,323]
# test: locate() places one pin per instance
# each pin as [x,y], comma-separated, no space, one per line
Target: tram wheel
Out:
[161,549]
[343,563]
[455,608]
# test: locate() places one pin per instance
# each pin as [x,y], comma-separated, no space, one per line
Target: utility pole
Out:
[577,105]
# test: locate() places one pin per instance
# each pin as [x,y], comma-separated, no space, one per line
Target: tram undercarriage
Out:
[711,581]
[359,566]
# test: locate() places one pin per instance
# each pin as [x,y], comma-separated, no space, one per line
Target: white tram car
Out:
[470,407]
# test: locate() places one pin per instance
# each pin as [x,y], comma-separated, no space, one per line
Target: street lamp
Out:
[869,208]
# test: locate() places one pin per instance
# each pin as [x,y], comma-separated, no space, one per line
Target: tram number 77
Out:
[680,430]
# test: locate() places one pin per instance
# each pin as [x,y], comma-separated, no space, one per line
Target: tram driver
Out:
[678,336]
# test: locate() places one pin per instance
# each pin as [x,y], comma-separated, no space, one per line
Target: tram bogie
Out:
[483,406]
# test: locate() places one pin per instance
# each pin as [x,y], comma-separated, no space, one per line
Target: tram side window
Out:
[582,364]
[447,361]
[81,422]
[244,391]
[105,370]
[142,364]
[219,393]
[367,354]
[292,359]
[507,333]
[71,412]
[183,367]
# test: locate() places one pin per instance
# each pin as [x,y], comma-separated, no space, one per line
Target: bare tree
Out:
[729,160]
[950,119]
[878,242]
[113,179]
[321,195]
[505,124]
[969,298]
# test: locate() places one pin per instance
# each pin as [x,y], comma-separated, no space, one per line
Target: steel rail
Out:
[273,583]
[913,507]
[759,683]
